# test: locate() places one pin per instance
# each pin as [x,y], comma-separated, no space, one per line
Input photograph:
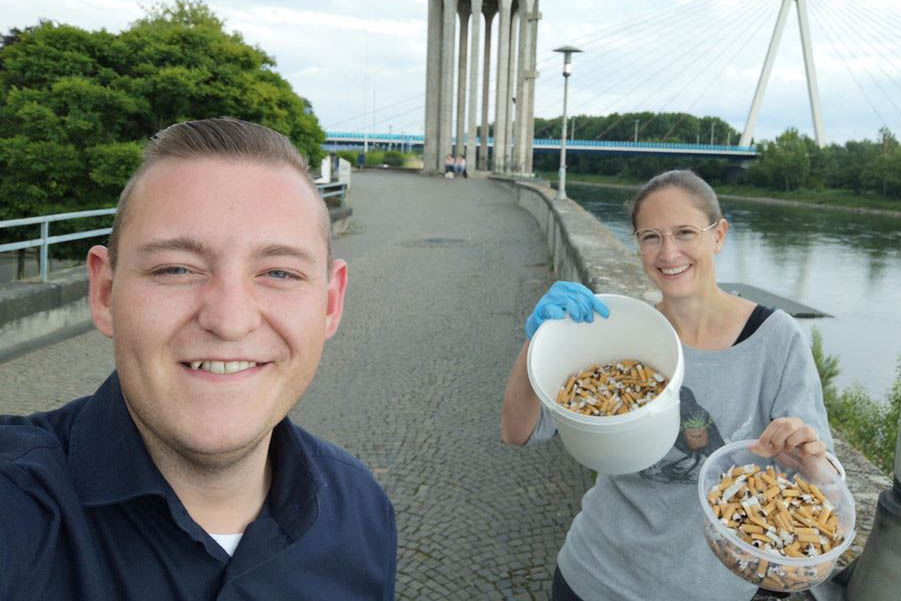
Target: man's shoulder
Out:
[330,454]
[334,464]
[20,435]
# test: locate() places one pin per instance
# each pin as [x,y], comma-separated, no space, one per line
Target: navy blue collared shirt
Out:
[85,514]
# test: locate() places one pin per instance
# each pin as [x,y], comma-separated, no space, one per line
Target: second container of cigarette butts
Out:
[617,444]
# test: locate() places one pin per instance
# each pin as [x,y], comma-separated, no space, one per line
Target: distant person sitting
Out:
[460,166]
[449,166]
[182,477]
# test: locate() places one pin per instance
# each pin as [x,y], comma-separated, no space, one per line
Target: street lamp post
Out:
[567,52]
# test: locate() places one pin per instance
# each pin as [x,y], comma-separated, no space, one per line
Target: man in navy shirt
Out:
[182,477]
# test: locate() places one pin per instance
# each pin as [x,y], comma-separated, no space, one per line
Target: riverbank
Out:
[837,200]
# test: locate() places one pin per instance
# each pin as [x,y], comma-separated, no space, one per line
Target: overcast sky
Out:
[363,62]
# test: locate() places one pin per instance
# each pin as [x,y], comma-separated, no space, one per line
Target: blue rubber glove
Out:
[562,298]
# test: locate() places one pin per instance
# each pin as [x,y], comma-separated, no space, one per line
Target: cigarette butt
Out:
[773,583]
[808,538]
[761,568]
[816,492]
[751,529]
[772,492]
[759,522]
[791,492]
[823,518]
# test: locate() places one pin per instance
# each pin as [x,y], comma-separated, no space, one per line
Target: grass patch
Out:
[868,425]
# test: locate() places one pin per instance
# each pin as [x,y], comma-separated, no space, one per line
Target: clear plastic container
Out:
[765,568]
[634,330]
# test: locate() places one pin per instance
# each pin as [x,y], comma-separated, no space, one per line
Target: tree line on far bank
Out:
[792,161]
[77,106]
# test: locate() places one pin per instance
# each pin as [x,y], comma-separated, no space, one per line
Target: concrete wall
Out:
[582,249]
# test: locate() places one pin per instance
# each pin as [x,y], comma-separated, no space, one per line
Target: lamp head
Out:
[567,52]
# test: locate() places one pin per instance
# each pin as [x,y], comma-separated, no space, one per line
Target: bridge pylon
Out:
[809,68]
[514,87]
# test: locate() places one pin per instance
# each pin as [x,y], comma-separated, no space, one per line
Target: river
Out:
[845,264]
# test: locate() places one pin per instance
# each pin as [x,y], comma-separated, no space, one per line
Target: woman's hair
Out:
[215,138]
[700,191]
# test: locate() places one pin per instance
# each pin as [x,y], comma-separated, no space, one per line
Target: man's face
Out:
[220,303]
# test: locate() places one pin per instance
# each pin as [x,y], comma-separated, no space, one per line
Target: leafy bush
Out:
[394,158]
[866,424]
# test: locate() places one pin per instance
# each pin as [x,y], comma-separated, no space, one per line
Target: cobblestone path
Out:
[441,276]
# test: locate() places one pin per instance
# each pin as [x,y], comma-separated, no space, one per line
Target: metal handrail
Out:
[332,190]
[46,239]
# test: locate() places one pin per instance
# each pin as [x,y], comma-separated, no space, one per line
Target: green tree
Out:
[76,106]
[783,163]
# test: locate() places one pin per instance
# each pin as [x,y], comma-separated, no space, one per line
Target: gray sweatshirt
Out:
[640,536]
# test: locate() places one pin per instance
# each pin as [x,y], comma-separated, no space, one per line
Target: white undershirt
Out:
[229,542]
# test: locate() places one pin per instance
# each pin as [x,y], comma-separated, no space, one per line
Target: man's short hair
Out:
[226,138]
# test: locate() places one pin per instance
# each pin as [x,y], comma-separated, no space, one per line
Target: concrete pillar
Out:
[447,79]
[490,11]
[463,11]
[523,68]
[530,126]
[511,92]
[430,156]
[503,81]
[476,11]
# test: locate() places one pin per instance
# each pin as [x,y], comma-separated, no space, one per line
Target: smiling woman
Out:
[748,374]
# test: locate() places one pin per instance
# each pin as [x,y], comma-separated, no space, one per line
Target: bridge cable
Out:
[890,18]
[762,18]
[634,64]
[633,26]
[849,16]
[761,22]
[867,70]
[845,64]
[671,29]
[664,66]
[739,24]
[368,112]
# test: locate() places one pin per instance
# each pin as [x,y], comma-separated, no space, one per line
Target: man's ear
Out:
[337,286]
[100,274]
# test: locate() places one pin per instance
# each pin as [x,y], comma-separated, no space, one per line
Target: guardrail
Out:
[332,190]
[46,239]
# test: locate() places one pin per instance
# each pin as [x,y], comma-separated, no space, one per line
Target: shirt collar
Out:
[110,464]
[107,457]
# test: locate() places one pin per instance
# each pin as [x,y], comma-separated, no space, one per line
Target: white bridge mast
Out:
[810,69]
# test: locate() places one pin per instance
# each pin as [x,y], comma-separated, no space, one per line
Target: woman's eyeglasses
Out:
[685,237]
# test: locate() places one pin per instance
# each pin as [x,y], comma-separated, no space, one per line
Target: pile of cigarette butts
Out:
[782,517]
[611,388]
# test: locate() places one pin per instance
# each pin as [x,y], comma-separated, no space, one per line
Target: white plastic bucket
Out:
[617,444]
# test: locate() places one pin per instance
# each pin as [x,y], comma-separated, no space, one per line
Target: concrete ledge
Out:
[33,314]
[582,248]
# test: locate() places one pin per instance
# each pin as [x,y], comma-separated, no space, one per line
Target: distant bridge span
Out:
[344,140]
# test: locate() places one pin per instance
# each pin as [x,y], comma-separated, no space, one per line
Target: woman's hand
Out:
[787,433]
[565,297]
